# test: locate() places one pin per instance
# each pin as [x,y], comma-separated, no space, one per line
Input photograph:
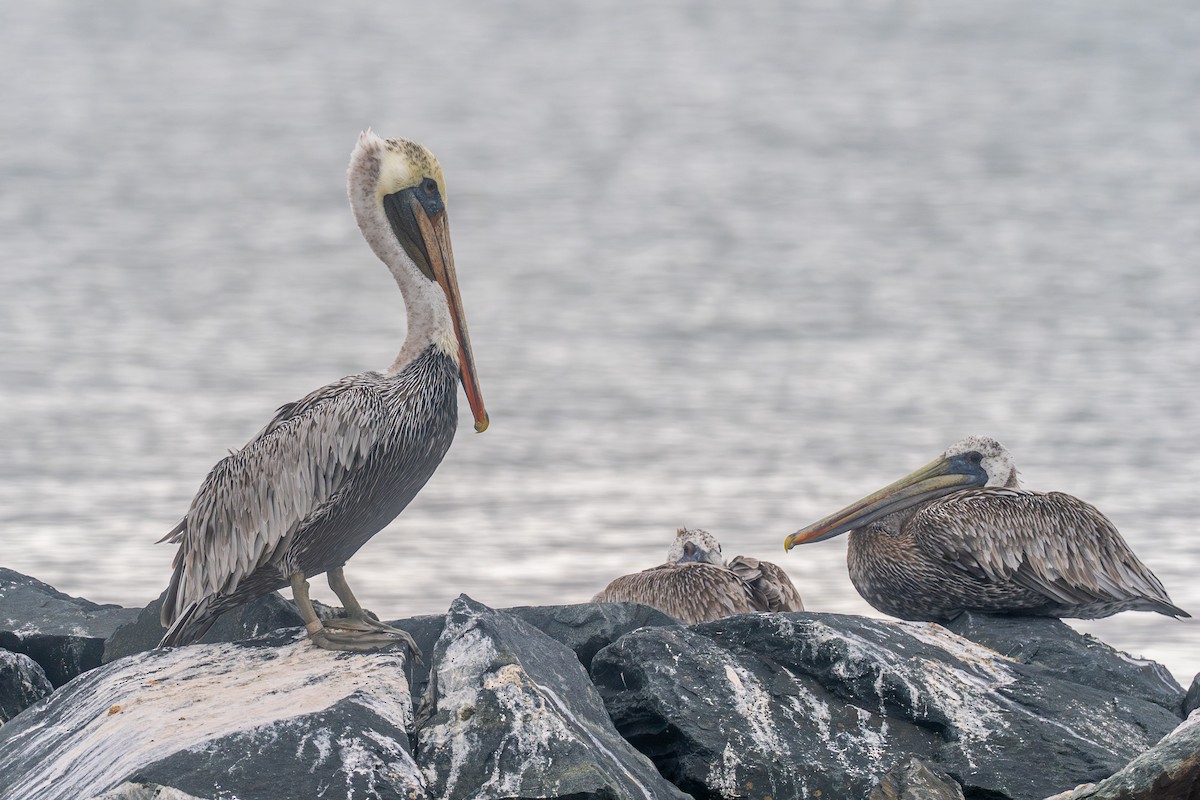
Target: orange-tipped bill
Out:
[936,479]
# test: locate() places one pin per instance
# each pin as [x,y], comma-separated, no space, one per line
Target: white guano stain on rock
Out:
[754,703]
[149,706]
[536,720]
[962,689]
[469,654]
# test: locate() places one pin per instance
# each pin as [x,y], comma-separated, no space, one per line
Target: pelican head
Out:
[695,545]
[398,194]
[974,462]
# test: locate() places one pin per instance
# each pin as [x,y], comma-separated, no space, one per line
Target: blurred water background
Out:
[725,265]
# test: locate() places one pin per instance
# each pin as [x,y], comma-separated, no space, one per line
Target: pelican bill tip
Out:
[481,424]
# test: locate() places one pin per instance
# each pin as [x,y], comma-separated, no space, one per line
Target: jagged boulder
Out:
[511,713]
[256,618]
[585,628]
[63,634]
[791,704]
[255,721]
[22,683]
[1168,771]
[1191,701]
[1071,656]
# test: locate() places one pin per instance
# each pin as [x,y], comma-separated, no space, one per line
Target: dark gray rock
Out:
[219,721]
[511,714]
[587,628]
[915,780]
[583,627]
[63,634]
[146,791]
[1168,771]
[22,683]
[791,704]
[1191,700]
[1071,656]
[256,618]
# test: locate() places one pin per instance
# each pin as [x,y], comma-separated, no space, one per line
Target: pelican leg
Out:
[359,619]
[337,582]
[350,636]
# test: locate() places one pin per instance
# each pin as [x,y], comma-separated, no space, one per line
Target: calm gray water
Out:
[725,267]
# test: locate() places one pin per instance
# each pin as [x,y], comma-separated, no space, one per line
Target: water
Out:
[724,267]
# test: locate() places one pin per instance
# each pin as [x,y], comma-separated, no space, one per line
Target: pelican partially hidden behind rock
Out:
[329,471]
[960,534]
[696,583]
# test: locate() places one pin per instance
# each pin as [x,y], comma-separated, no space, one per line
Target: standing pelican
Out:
[960,534]
[697,585]
[329,471]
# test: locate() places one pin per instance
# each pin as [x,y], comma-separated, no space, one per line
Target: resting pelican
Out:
[960,534]
[697,585]
[330,470]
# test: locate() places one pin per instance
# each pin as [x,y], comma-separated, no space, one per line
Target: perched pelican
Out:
[332,469]
[696,584]
[960,534]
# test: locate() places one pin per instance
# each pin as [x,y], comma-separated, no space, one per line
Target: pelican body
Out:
[329,471]
[696,584]
[961,535]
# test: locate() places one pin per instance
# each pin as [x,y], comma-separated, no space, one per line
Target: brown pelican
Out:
[696,584]
[960,534]
[333,468]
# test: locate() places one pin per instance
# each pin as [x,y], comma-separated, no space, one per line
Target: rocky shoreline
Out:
[583,701]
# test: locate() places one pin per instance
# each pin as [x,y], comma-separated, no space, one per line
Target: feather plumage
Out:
[961,535]
[696,585]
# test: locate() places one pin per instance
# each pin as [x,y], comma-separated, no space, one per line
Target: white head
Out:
[993,459]
[695,545]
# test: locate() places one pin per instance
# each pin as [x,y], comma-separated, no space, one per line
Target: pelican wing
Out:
[691,592]
[1051,543]
[256,498]
[770,586]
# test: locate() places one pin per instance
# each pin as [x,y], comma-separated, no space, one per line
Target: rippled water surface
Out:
[725,266]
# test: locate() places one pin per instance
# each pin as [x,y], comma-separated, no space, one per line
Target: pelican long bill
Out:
[936,479]
[421,225]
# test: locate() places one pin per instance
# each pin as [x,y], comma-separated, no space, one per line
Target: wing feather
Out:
[257,497]
[770,586]
[1050,543]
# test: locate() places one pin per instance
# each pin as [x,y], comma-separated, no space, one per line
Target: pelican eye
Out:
[975,458]
[429,197]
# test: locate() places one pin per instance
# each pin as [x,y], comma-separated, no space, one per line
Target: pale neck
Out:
[428,316]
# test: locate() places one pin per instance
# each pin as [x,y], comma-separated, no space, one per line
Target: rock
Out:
[511,714]
[22,683]
[1074,657]
[914,780]
[1191,700]
[1168,771]
[787,705]
[63,634]
[256,618]
[256,721]
[587,628]
[146,791]
[583,627]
